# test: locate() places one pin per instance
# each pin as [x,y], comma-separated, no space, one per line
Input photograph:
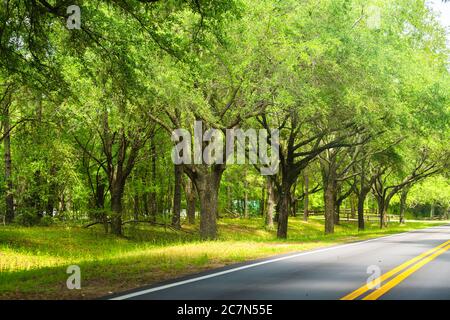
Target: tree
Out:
[423,167]
[6,125]
[176,219]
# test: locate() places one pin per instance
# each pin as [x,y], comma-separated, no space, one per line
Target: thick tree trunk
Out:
[330,189]
[361,200]
[306,198]
[117,189]
[176,220]
[352,207]
[191,211]
[190,201]
[270,203]
[207,182]
[362,192]
[329,195]
[337,204]
[208,210]
[9,198]
[283,214]
[329,198]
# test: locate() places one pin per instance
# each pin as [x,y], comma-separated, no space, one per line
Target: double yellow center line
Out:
[416,263]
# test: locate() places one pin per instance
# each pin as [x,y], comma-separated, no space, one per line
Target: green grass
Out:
[33,261]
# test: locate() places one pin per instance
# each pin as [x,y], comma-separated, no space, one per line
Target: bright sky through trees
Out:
[443,10]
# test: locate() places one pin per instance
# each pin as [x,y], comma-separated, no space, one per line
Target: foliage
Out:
[91,111]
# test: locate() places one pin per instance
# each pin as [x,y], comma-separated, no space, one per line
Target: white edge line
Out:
[216,274]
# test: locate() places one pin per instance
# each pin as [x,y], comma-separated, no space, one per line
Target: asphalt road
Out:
[411,268]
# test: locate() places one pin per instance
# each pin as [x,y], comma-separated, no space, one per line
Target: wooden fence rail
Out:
[346,215]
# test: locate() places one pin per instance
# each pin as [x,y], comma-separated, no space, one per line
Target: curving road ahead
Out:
[413,265]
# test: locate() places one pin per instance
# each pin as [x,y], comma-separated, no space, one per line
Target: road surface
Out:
[413,265]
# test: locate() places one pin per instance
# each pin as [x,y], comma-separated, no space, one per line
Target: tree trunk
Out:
[262,202]
[329,195]
[306,198]
[100,204]
[283,214]
[229,198]
[208,210]
[167,206]
[136,206]
[382,211]
[245,200]
[176,220]
[62,203]
[337,213]
[329,198]
[270,203]
[246,215]
[337,203]
[34,200]
[117,189]
[190,201]
[294,207]
[52,194]
[293,202]
[145,206]
[403,197]
[361,199]
[431,210]
[352,207]
[152,198]
[9,198]
[362,192]
[207,182]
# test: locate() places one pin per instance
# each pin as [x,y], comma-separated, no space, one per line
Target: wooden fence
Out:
[346,214]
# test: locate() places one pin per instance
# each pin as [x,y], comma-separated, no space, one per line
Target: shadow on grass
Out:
[150,254]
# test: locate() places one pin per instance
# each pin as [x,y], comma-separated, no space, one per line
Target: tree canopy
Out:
[357,90]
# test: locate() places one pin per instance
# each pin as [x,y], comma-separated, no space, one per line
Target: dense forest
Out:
[91,94]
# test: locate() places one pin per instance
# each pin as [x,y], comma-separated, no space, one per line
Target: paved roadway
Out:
[330,273]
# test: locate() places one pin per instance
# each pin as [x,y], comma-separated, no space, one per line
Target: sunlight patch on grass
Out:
[33,260]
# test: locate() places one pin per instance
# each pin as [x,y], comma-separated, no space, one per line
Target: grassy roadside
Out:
[33,261]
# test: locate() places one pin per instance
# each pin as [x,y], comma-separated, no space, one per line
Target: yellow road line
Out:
[402,276]
[358,292]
